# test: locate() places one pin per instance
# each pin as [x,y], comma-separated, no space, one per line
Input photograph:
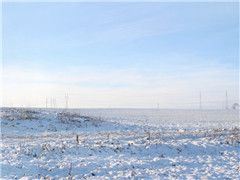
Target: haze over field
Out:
[120,54]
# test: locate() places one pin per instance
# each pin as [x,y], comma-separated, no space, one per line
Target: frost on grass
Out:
[64,145]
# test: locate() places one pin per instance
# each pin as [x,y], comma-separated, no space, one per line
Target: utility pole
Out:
[226,100]
[51,102]
[46,103]
[200,101]
[54,102]
[66,100]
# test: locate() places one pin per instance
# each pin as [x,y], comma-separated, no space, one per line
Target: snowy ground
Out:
[119,144]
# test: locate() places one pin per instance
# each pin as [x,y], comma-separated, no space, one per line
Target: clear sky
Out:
[120,54]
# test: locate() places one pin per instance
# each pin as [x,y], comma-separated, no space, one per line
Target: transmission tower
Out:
[226,100]
[46,103]
[200,100]
[66,100]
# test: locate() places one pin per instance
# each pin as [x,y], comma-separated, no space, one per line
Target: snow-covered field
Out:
[119,144]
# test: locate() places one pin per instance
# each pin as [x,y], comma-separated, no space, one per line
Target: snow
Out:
[119,144]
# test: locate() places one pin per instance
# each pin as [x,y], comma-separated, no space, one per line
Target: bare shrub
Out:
[7,116]
[65,116]
[233,139]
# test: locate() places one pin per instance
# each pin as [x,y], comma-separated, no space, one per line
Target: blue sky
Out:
[119,54]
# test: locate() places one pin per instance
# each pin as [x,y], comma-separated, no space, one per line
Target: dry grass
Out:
[65,117]
[21,114]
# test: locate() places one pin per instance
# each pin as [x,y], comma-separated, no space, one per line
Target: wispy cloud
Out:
[121,55]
